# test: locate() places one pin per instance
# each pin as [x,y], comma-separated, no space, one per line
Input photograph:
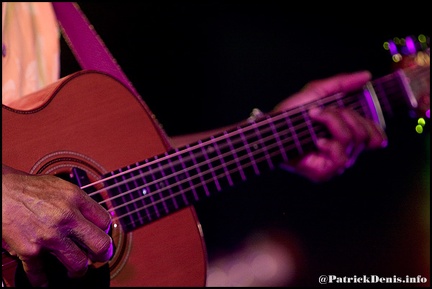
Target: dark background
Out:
[203,64]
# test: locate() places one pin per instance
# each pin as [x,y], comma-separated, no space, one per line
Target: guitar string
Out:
[147,185]
[122,173]
[199,145]
[190,168]
[183,192]
[170,176]
[164,189]
[188,148]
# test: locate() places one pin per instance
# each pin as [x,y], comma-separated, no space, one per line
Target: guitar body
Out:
[91,121]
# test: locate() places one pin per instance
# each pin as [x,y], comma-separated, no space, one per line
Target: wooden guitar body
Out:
[90,121]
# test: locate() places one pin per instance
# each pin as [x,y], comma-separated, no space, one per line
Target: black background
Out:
[203,64]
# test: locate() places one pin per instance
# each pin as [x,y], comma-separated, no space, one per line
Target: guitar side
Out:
[91,121]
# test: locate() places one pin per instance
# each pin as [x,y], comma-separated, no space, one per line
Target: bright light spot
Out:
[422,38]
[397,57]
[421,121]
[144,191]
[240,275]
[419,129]
[218,277]
[264,266]
[396,40]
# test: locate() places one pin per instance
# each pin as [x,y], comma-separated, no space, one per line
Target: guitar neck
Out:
[148,190]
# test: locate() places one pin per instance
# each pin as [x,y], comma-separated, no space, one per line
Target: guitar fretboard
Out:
[153,188]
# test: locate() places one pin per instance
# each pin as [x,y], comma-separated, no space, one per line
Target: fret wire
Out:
[209,164]
[126,196]
[263,146]
[153,193]
[228,175]
[177,176]
[248,152]
[294,134]
[176,205]
[197,168]
[162,182]
[308,122]
[145,190]
[188,178]
[236,158]
[135,181]
[278,140]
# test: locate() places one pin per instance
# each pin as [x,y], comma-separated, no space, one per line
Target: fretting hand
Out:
[351,133]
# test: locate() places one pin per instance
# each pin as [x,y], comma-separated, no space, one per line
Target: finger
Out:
[323,87]
[94,212]
[33,267]
[377,136]
[358,127]
[73,258]
[325,163]
[335,124]
[366,134]
[343,82]
[365,130]
[334,151]
[97,243]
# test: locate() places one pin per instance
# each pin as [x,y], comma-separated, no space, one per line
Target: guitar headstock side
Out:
[411,57]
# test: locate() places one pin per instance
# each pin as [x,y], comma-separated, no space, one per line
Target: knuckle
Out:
[63,215]
[103,245]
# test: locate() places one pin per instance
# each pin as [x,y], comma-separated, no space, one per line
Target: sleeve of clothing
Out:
[30,48]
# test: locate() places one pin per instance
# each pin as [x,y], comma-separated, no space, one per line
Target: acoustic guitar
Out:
[112,146]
